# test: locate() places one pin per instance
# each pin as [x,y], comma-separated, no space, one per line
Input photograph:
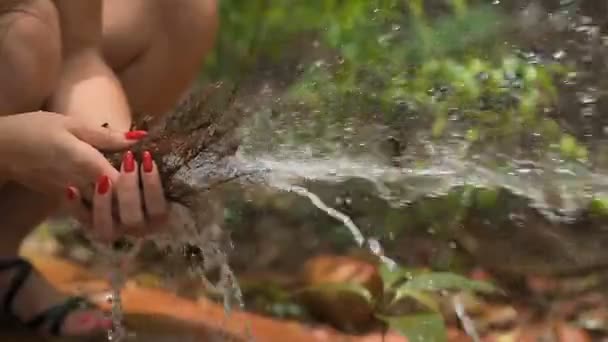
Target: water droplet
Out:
[483,76]
[571,78]
[587,98]
[559,55]
[374,246]
[588,111]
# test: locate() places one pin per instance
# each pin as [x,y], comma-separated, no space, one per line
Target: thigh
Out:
[30,54]
[21,210]
[30,57]
[157,47]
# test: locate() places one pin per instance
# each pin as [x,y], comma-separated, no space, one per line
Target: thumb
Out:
[104,138]
[90,164]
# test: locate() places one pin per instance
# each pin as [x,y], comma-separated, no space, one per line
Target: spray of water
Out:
[553,186]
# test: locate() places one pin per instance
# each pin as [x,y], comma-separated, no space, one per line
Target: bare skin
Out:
[86,63]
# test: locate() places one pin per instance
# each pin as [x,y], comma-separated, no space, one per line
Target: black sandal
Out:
[55,315]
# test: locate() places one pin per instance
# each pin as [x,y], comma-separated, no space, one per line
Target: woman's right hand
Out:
[48,151]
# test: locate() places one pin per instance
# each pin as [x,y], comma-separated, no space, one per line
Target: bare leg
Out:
[30,60]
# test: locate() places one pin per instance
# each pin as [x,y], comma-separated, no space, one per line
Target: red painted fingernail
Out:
[70,193]
[106,323]
[147,162]
[85,319]
[128,162]
[135,135]
[103,185]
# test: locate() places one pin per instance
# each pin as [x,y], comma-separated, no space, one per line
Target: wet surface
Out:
[158,316]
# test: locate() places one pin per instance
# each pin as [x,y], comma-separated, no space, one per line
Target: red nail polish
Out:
[128,162]
[85,319]
[106,323]
[135,135]
[103,185]
[71,193]
[147,162]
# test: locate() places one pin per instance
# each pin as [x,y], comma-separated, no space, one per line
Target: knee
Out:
[30,56]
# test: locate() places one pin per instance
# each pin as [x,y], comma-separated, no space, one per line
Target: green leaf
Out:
[437,281]
[421,297]
[568,145]
[337,288]
[599,206]
[418,328]
[486,198]
[393,275]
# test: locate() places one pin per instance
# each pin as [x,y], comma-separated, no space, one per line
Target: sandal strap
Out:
[24,269]
[57,314]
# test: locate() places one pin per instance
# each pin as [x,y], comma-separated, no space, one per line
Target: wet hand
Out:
[123,207]
[47,151]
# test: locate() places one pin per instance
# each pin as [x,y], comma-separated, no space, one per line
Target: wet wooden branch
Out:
[191,142]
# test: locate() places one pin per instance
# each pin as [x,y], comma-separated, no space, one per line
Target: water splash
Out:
[466,321]
[553,186]
[373,244]
[203,245]
[119,263]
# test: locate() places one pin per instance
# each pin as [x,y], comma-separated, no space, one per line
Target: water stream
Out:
[273,153]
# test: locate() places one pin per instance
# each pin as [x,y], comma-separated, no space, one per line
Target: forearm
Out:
[88,88]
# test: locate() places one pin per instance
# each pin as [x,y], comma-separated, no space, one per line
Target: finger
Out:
[104,138]
[78,210]
[89,165]
[102,210]
[128,194]
[154,196]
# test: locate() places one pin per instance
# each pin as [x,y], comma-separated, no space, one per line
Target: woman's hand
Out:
[48,151]
[138,210]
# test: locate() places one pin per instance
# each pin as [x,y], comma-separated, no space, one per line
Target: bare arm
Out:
[88,87]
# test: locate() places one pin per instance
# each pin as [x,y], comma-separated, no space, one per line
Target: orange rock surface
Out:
[157,315]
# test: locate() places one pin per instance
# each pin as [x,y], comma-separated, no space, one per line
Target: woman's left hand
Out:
[140,211]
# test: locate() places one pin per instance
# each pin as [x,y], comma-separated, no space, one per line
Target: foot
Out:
[35,295]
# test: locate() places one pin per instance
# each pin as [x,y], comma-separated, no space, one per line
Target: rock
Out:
[569,333]
[156,315]
[344,309]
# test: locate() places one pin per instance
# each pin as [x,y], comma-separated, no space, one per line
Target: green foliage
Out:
[272,299]
[428,327]
[437,281]
[400,284]
[392,62]
[422,287]
[599,206]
